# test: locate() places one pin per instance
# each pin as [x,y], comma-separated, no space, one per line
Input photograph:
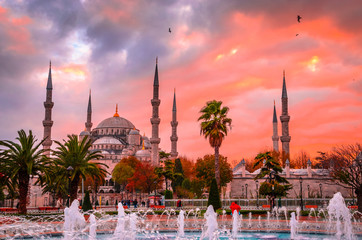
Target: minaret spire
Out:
[275,136]
[48,105]
[174,124]
[116,114]
[89,124]
[284,119]
[155,120]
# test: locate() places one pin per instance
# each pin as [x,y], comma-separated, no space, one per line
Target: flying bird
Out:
[169,30]
[297,34]
[298,18]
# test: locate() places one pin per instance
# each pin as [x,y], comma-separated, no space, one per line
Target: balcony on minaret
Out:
[284,118]
[174,124]
[155,120]
[47,123]
[285,138]
[155,102]
[48,104]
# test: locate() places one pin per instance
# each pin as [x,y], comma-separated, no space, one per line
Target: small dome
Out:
[84,133]
[115,122]
[134,132]
[107,140]
[143,153]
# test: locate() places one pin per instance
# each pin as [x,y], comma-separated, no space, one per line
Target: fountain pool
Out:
[339,224]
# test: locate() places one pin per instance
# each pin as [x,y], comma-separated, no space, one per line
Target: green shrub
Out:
[214,196]
[186,184]
[86,202]
[168,194]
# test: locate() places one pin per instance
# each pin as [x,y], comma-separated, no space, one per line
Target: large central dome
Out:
[115,122]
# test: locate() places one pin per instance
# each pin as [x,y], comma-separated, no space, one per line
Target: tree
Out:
[347,168]
[178,175]
[124,170]
[21,160]
[301,160]
[205,169]
[77,155]
[322,160]
[167,171]
[215,125]
[271,168]
[86,202]
[145,178]
[214,196]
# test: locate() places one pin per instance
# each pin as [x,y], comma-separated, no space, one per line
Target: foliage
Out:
[347,168]
[214,196]
[205,169]
[184,193]
[197,187]
[168,194]
[77,154]
[188,167]
[145,178]
[271,168]
[124,170]
[186,184]
[214,126]
[179,175]
[19,161]
[86,202]
[301,160]
[163,154]
[167,171]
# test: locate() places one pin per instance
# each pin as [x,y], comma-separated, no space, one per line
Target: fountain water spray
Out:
[73,220]
[119,232]
[293,226]
[211,224]
[298,213]
[339,212]
[92,227]
[235,223]
[181,224]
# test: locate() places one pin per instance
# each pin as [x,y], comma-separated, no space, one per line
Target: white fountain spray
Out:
[235,224]
[293,226]
[337,211]
[92,227]
[250,217]
[119,231]
[73,220]
[298,213]
[181,224]
[133,226]
[211,223]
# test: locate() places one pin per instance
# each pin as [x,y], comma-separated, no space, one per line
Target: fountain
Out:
[181,224]
[187,225]
[210,225]
[235,224]
[293,226]
[337,211]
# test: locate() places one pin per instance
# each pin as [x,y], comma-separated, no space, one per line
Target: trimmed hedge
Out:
[86,203]
[214,196]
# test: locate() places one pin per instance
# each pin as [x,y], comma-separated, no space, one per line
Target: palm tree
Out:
[77,154]
[215,125]
[20,161]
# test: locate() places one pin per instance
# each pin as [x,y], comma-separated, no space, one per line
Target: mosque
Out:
[115,137]
[315,182]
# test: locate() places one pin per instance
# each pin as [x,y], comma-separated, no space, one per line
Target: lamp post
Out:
[69,171]
[320,189]
[352,195]
[301,193]
[308,187]
[257,193]
[246,191]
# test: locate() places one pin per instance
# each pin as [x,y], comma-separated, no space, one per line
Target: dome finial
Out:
[116,114]
[143,145]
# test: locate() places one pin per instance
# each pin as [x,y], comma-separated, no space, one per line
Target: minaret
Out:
[89,124]
[48,105]
[174,124]
[155,121]
[284,118]
[275,136]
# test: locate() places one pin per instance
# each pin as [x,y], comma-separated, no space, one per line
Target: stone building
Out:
[315,182]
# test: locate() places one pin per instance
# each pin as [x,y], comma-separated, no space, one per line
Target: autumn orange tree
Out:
[145,178]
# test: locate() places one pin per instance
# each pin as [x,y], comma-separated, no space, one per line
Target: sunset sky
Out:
[234,51]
